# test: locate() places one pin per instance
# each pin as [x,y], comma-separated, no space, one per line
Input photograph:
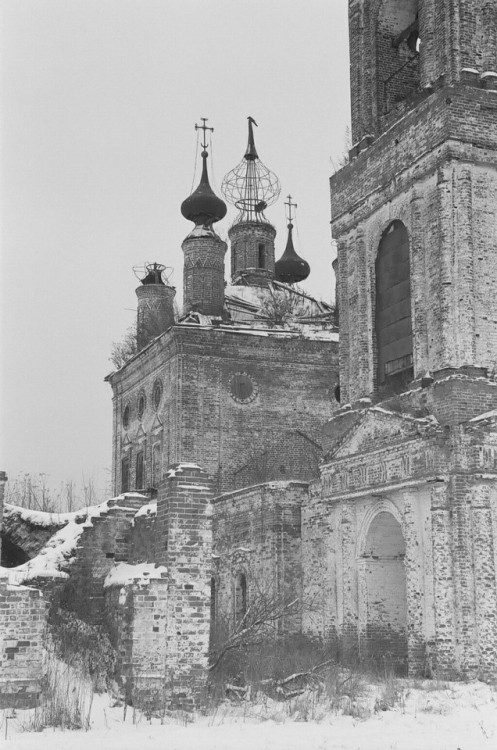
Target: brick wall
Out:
[198,419]
[440,491]
[436,171]
[454,36]
[203,272]
[256,532]
[184,535]
[22,622]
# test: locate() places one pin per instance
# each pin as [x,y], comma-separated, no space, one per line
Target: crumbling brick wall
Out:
[22,622]
[256,532]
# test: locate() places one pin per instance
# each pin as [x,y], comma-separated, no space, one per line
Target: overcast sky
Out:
[100,98]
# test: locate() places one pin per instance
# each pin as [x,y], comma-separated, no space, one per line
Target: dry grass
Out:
[67,697]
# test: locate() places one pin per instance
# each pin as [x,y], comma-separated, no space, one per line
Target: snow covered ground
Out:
[454,717]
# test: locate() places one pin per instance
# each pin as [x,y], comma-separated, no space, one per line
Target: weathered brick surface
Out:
[184,533]
[203,273]
[198,419]
[423,575]
[436,171]
[256,532]
[137,617]
[22,622]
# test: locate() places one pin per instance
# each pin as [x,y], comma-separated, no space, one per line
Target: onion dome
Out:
[291,268]
[203,206]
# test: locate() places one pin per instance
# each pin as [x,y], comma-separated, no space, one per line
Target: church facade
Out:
[357,477]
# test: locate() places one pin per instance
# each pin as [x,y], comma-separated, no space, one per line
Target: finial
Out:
[251,152]
[290,206]
[205,128]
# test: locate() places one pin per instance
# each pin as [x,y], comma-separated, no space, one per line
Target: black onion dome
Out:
[203,206]
[291,268]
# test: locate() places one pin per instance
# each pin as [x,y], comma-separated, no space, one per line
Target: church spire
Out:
[291,268]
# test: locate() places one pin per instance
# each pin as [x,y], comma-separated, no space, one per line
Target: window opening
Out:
[262,256]
[139,471]
[240,597]
[125,465]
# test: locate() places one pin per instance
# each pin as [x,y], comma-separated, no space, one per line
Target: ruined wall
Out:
[257,533]
[22,622]
[184,536]
[137,619]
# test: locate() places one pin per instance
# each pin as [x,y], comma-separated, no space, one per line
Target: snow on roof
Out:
[124,574]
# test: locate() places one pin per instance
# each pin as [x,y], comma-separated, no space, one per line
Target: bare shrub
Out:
[281,307]
[82,646]
[122,351]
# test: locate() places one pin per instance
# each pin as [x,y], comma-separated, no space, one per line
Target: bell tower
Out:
[414,212]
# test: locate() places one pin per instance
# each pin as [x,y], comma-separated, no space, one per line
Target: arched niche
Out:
[393,324]
[383,620]
[397,52]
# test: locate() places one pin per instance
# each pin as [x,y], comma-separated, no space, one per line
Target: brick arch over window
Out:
[397,52]
[393,306]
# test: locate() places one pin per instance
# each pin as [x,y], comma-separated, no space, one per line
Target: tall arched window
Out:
[139,477]
[262,255]
[240,597]
[398,44]
[393,305]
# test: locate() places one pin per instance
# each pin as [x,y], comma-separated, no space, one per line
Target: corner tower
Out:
[204,250]
[415,211]
[251,187]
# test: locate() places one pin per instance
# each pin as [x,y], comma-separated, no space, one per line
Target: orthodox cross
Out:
[205,128]
[290,206]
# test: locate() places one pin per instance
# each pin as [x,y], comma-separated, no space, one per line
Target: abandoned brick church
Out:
[257,451]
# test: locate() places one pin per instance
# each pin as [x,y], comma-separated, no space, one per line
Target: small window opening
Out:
[262,256]
[240,597]
[139,470]
[125,464]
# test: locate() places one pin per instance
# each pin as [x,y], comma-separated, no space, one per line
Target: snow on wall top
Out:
[59,551]
[124,574]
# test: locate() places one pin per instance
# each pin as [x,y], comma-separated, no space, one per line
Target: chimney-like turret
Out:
[155,312]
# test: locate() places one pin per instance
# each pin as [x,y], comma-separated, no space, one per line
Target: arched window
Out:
[125,467]
[393,305]
[397,52]
[240,597]
[139,471]
[262,255]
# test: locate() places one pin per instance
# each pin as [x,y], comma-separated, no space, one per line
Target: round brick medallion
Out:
[243,388]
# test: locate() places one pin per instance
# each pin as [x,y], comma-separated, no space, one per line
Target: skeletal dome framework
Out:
[251,187]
